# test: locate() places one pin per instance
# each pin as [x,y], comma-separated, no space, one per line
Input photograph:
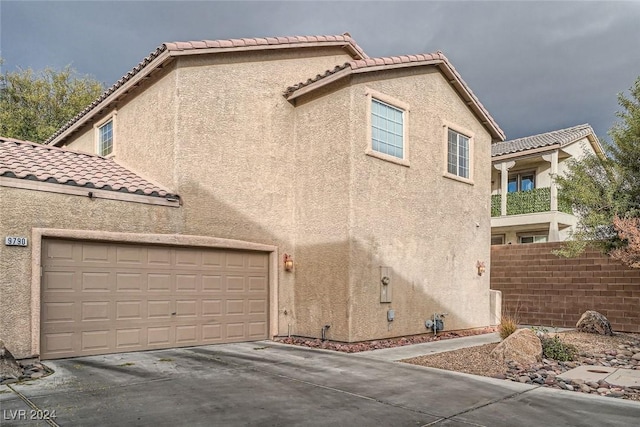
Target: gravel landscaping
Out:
[618,351]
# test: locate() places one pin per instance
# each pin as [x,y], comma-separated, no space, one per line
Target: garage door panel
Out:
[129,282]
[186,282]
[95,341]
[235,307]
[100,298]
[95,281]
[131,255]
[95,254]
[59,281]
[211,283]
[211,332]
[235,283]
[95,310]
[235,331]
[130,338]
[187,334]
[159,309]
[257,306]
[211,307]
[56,312]
[257,329]
[129,310]
[159,335]
[186,308]
[258,284]
[159,282]
[235,261]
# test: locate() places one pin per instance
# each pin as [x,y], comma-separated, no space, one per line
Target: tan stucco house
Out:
[275,186]
[524,195]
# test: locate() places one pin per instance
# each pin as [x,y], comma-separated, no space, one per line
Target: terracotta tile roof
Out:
[167,50]
[392,62]
[562,137]
[30,161]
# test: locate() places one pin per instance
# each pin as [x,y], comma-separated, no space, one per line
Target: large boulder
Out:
[522,346]
[594,323]
[9,368]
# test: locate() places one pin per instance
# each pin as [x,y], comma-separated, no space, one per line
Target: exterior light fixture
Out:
[481,268]
[288,262]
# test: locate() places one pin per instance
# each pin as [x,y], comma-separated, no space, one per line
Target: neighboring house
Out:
[524,200]
[352,205]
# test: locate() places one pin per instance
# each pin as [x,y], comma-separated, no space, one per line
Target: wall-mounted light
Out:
[288,262]
[481,268]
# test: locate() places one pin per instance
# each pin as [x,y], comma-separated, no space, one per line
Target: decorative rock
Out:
[636,356]
[585,388]
[594,323]
[524,379]
[603,390]
[8,365]
[523,346]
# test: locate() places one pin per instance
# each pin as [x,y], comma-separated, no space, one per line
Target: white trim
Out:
[446,125]
[396,103]
[38,234]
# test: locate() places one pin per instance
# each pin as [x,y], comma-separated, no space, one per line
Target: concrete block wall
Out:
[548,290]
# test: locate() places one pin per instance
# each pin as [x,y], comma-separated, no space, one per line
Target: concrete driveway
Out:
[268,384]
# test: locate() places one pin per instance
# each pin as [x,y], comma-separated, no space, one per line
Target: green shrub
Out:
[508,325]
[556,349]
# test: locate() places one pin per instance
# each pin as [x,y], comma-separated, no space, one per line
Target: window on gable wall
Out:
[458,154]
[105,138]
[387,129]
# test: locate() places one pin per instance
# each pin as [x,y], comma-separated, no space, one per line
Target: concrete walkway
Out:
[415,350]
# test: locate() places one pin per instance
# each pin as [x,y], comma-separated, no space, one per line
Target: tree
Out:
[33,105]
[605,191]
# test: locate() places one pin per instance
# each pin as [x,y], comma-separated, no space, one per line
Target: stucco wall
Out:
[217,130]
[430,229]
[412,219]
[250,166]
[23,210]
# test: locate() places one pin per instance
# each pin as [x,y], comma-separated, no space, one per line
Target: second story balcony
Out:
[526,202]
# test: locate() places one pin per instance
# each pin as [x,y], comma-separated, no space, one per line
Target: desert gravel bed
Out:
[619,351]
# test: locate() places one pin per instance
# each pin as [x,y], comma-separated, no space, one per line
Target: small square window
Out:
[458,154]
[387,123]
[105,138]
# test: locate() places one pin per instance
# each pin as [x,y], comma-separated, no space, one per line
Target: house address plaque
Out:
[15,241]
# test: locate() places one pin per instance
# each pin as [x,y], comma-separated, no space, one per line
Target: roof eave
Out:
[496,133]
[527,152]
[157,63]
[349,47]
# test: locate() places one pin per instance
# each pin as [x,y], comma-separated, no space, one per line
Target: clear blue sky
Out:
[536,66]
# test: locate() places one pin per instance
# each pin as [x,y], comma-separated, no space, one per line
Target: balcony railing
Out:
[525,202]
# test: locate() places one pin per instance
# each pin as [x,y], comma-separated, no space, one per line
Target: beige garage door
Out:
[102,298]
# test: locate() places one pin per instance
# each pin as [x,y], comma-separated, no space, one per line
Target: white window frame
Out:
[97,129]
[394,103]
[536,238]
[466,133]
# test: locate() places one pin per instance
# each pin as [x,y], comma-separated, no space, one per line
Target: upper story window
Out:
[387,124]
[387,129]
[105,138]
[521,182]
[458,154]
